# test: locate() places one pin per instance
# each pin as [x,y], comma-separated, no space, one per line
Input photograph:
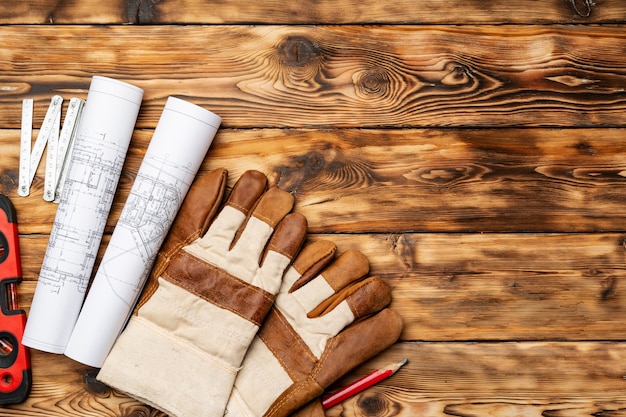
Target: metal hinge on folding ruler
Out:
[59,145]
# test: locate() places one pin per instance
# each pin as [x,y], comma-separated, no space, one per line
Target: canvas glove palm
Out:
[328,317]
[207,296]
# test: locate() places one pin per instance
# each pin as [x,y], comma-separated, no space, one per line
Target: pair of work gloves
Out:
[239,318]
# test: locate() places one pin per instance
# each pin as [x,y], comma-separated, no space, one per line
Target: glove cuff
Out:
[162,371]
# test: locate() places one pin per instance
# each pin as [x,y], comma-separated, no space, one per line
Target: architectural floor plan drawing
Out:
[98,155]
[72,250]
[147,207]
[176,151]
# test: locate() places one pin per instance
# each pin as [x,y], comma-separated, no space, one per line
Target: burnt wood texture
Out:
[475,151]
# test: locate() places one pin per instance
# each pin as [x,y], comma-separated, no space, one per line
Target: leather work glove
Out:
[207,296]
[328,317]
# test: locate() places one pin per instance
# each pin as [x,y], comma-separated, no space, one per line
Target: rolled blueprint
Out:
[178,147]
[100,149]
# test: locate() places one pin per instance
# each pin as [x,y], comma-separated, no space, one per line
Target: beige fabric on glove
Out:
[183,348]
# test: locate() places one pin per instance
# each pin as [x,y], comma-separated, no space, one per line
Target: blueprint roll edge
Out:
[178,147]
[100,148]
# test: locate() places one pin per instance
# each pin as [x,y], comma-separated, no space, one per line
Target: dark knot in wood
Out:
[93,386]
[609,290]
[374,83]
[300,169]
[457,75]
[139,11]
[582,7]
[377,405]
[298,51]
[312,161]
[8,181]
[586,149]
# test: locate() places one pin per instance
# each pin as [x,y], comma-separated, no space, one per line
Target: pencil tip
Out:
[394,367]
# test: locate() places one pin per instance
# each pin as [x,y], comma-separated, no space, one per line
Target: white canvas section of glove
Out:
[242,261]
[261,380]
[180,354]
[208,328]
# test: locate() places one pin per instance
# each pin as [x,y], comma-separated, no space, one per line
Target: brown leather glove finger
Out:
[195,214]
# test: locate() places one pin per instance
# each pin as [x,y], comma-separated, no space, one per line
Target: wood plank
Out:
[472,150]
[319,12]
[503,287]
[516,379]
[472,287]
[441,379]
[341,76]
[349,180]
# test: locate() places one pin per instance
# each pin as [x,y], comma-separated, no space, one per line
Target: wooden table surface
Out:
[475,151]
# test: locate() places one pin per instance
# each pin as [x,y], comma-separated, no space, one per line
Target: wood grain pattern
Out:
[487,180]
[318,12]
[515,379]
[339,76]
[526,378]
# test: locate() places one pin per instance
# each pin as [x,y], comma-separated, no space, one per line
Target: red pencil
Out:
[359,385]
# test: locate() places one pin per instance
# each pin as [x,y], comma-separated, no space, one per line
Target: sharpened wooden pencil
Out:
[360,384]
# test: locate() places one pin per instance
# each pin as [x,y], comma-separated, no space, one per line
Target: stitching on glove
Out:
[242,406]
[221,272]
[278,404]
[187,346]
[295,338]
[330,344]
[276,249]
[239,207]
[254,315]
[265,219]
[300,386]
[183,312]
[184,242]
[167,256]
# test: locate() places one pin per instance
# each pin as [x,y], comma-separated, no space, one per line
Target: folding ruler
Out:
[59,145]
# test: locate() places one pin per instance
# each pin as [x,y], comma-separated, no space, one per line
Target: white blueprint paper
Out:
[100,149]
[178,147]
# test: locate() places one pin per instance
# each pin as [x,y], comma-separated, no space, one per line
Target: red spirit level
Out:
[15,373]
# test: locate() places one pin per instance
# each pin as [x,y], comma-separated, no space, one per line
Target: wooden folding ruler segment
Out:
[59,142]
